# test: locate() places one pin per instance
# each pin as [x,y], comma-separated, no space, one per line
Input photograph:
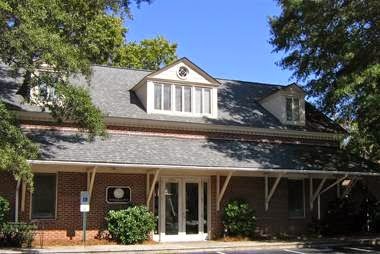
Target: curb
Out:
[293,245]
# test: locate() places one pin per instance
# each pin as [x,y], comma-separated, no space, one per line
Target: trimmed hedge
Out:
[130,226]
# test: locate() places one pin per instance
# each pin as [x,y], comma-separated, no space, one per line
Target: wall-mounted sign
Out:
[118,194]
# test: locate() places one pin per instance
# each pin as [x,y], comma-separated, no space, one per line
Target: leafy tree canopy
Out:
[333,47]
[46,42]
[149,54]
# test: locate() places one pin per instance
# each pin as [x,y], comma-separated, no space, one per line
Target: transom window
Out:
[292,109]
[182,99]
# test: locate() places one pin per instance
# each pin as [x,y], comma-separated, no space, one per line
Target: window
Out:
[292,109]
[296,198]
[162,97]
[207,101]
[186,99]
[167,97]
[157,96]
[178,98]
[198,100]
[44,196]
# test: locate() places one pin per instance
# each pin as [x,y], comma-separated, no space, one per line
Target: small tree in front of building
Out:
[239,219]
[130,226]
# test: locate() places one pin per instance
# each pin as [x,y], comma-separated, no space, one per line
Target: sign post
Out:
[84,208]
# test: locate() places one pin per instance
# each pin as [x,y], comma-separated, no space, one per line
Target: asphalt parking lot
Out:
[329,250]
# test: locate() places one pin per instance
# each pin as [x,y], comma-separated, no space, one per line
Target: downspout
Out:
[17,199]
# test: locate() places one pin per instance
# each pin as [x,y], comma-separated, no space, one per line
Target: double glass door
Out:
[183,208]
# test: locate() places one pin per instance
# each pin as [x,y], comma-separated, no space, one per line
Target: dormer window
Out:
[180,89]
[292,109]
[186,99]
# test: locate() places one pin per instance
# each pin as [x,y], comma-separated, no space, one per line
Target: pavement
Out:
[331,246]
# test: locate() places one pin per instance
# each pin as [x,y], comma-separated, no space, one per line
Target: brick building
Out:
[184,143]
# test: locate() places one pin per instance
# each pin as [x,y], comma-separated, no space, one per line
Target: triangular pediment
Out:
[194,74]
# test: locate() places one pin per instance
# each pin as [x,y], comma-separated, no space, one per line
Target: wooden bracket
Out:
[220,192]
[314,195]
[269,193]
[90,182]
[151,189]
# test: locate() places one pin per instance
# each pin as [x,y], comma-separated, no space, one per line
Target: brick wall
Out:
[68,223]
[276,219]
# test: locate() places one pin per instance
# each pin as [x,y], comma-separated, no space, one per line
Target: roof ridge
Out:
[252,82]
[122,68]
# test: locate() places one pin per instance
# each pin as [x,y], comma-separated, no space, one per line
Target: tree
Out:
[151,54]
[45,43]
[333,47]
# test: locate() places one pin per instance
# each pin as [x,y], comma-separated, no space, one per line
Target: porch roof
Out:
[120,148]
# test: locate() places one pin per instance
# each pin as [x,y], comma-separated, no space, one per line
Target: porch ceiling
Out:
[217,154]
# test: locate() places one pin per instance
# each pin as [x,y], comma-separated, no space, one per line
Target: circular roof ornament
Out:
[182,72]
[118,193]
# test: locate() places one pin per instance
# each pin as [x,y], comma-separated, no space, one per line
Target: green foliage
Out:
[15,148]
[333,47]
[46,43]
[239,219]
[151,54]
[132,225]
[4,210]
[17,235]
[75,103]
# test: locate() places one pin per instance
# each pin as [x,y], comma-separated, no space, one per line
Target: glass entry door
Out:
[183,208]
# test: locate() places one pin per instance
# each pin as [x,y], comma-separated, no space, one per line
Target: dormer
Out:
[287,104]
[181,89]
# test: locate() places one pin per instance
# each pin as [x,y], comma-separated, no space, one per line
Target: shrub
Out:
[17,235]
[239,219]
[4,210]
[130,226]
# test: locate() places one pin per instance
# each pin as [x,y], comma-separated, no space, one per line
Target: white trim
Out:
[115,203]
[201,168]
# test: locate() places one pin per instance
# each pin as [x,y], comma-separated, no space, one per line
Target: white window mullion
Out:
[183,100]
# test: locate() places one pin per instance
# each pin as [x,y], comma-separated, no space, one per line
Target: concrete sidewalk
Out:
[205,246]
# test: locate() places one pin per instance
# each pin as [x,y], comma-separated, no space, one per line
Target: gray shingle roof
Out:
[237,100]
[155,150]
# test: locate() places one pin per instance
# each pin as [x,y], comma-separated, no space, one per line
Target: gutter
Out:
[198,168]
[191,126]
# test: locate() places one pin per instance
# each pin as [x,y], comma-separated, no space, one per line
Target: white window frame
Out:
[173,110]
[303,199]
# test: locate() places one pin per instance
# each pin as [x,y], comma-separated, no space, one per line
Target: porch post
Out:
[23,193]
[17,199]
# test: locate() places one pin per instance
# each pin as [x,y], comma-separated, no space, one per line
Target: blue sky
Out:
[228,39]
